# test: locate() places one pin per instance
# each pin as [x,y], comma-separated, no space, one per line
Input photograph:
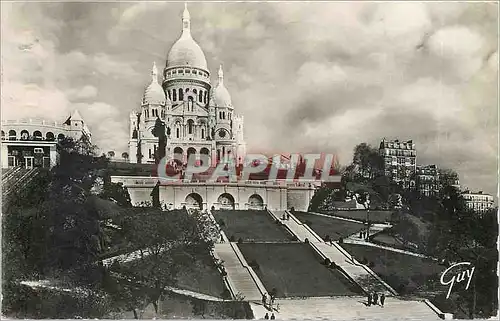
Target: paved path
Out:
[374,229]
[388,248]
[348,308]
[240,276]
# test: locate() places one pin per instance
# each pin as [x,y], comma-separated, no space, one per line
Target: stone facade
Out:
[32,143]
[199,118]
[239,196]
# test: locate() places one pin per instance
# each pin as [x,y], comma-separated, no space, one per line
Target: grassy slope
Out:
[295,271]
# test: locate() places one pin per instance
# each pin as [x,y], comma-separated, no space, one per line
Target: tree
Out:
[159,132]
[125,156]
[168,244]
[111,154]
[462,235]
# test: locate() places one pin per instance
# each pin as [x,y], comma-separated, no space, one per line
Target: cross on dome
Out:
[221,75]
[186,20]
[154,72]
[185,51]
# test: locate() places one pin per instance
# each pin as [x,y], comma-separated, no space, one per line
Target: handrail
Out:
[442,315]
[229,284]
[254,276]
[323,255]
[367,269]
[212,217]
[318,238]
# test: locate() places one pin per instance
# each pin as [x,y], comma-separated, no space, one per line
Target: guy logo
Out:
[459,277]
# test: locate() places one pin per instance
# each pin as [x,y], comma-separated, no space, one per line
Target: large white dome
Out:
[185,51]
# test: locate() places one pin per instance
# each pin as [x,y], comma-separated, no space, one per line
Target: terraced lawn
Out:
[360,215]
[295,271]
[202,276]
[407,274]
[334,227]
[249,225]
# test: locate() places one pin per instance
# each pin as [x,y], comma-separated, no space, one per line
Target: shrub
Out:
[327,238]
[371,264]
[226,294]
[292,210]
[341,240]
[306,241]
[240,240]
[364,260]
[232,238]
[333,265]
[308,223]
[274,292]
[221,223]
[327,262]
[254,265]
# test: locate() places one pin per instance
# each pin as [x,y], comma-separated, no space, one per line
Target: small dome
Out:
[221,95]
[154,93]
[185,51]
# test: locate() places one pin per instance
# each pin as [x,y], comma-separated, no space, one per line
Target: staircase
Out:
[349,308]
[296,227]
[14,179]
[240,276]
[358,272]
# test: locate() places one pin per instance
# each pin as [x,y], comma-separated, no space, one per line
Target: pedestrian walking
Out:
[382,300]
[375,299]
[272,316]
[369,299]
[266,316]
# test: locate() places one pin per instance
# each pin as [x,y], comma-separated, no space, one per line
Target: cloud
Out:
[306,76]
[85,92]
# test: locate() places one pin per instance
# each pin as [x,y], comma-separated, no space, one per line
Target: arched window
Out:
[25,135]
[49,136]
[181,94]
[168,94]
[206,96]
[178,132]
[200,96]
[190,104]
[174,95]
[190,126]
[203,133]
[12,135]
[195,91]
[37,135]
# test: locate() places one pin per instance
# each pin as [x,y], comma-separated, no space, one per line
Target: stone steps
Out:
[354,269]
[350,308]
[238,274]
[296,228]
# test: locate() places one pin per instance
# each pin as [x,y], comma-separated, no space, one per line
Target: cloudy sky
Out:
[306,76]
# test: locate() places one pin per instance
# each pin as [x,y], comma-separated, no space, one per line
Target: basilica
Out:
[199,118]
